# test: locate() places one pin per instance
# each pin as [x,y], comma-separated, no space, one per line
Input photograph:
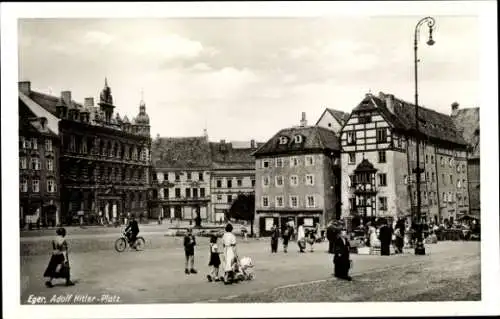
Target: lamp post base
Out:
[420,248]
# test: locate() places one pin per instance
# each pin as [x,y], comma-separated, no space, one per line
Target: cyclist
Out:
[132,231]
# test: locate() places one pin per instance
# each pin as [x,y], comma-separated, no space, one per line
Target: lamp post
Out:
[419,248]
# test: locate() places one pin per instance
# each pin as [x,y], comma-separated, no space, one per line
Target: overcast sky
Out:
[248,78]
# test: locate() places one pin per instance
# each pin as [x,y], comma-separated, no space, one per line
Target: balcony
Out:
[364,188]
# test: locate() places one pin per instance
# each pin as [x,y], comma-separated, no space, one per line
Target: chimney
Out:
[252,144]
[88,102]
[389,102]
[303,121]
[454,108]
[25,87]
[66,97]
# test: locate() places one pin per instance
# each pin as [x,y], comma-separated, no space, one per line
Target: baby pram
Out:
[243,269]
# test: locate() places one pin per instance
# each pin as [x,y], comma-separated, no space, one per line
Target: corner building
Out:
[379,157]
[297,177]
[104,159]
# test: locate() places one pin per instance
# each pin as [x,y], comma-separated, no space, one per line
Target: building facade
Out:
[467,121]
[39,198]
[182,184]
[333,120]
[379,159]
[104,160]
[297,177]
[233,173]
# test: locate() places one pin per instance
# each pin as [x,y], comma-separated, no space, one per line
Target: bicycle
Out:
[122,242]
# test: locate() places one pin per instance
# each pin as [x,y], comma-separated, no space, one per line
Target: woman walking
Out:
[301,238]
[229,246]
[274,238]
[59,263]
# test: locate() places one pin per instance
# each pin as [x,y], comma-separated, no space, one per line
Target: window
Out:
[265,201]
[458,168]
[202,192]
[294,180]
[253,182]
[279,201]
[309,179]
[177,177]
[23,185]
[364,119]
[51,186]
[351,138]
[34,143]
[442,161]
[239,182]
[463,168]
[382,201]
[200,176]
[382,179]
[35,186]
[426,176]
[450,197]
[309,160]
[426,158]
[219,198]
[265,164]
[23,162]
[451,179]
[381,135]
[195,192]
[352,157]
[229,183]
[219,183]
[188,192]
[50,165]
[352,204]
[35,163]
[27,143]
[279,181]
[22,142]
[298,139]
[294,201]
[444,197]
[279,162]
[294,161]
[442,178]
[48,145]
[283,140]
[165,193]
[229,198]
[189,176]
[381,156]
[265,181]
[432,159]
[459,184]
[165,176]
[177,193]
[451,162]
[310,201]
[433,177]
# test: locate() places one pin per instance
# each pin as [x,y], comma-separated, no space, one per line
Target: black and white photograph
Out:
[250,159]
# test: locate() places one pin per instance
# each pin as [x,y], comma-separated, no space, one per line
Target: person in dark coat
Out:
[287,233]
[331,236]
[385,237]
[132,231]
[275,234]
[341,260]
[189,244]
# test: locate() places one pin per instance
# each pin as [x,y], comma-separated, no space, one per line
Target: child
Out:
[189,243]
[214,260]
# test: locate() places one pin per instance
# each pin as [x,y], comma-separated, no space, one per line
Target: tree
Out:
[243,208]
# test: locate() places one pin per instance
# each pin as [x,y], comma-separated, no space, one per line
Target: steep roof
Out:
[181,152]
[315,138]
[225,155]
[340,116]
[49,102]
[433,124]
[467,121]
[39,111]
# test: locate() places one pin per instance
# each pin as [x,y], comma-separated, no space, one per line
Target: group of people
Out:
[304,236]
[229,251]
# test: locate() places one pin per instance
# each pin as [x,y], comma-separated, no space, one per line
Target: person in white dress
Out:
[301,238]
[229,246]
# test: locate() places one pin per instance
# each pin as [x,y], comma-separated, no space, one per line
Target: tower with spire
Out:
[106,102]
[142,119]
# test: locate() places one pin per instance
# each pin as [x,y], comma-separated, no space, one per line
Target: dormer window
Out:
[298,139]
[283,140]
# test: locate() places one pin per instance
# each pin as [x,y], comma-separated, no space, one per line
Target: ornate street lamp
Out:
[420,248]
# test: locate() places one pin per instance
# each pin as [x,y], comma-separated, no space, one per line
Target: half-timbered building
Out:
[379,158]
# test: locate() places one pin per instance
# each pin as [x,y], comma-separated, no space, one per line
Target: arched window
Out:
[298,139]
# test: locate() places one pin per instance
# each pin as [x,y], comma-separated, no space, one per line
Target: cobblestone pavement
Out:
[156,275]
